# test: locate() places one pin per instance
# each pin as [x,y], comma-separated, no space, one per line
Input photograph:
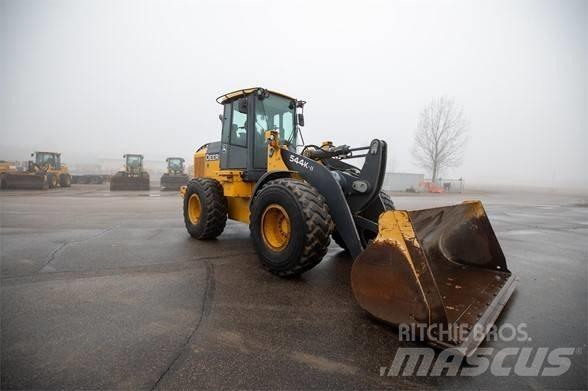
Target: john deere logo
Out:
[212,156]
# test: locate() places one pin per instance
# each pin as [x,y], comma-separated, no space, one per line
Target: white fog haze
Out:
[97,79]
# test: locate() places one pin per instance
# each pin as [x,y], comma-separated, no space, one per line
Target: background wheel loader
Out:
[133,177]
[45,171]
[6,167]
[175,176]
[440,268]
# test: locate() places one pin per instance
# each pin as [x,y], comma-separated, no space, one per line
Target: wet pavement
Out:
[106,290]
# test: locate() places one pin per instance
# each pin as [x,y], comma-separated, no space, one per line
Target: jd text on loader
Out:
[440,266]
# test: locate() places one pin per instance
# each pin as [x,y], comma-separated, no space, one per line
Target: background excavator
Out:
[45,171]
[175,176]
[132,177]
[440,268]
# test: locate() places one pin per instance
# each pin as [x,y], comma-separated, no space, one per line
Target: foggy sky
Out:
[102,78]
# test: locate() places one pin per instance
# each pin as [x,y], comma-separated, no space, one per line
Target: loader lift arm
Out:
[353,200]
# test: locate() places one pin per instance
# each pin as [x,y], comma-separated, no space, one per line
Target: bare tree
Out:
[440,137]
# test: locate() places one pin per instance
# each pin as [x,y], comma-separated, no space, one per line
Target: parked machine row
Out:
[46,171]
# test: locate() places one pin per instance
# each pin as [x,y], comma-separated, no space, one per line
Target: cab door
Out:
[233,153]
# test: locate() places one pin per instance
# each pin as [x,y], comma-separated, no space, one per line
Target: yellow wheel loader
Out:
[132,177]
[175,176]
[45,171]
[440,269]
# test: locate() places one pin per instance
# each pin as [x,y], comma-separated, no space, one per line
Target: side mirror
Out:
[32,154]
[221,117]
[243,105]
[300,119]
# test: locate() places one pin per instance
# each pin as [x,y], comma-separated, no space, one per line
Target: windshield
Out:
[133,161]
[43,159]
[175,164]
[276,112]
[273,113]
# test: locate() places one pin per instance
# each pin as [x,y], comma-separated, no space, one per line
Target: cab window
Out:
[238,133]
[47,158]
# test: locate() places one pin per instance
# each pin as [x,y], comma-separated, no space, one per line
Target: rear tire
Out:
[65,180]
[388,205]
[306,235]
[205,208]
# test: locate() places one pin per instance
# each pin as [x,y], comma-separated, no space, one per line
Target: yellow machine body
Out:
[237,191]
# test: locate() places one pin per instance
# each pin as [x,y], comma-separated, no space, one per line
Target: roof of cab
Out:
[246,91]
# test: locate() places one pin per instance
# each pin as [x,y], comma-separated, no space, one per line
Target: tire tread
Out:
[319,225]
[216,204]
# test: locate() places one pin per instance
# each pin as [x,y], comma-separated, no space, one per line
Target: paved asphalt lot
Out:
[105,290]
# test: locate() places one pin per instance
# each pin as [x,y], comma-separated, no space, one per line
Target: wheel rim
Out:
[54,181]
[194,208]
[275,227]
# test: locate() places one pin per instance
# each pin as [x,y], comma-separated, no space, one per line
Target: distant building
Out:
[400,181]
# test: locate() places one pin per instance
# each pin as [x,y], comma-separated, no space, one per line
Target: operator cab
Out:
[247,115]
[43,159]
[175,165]
[133,162]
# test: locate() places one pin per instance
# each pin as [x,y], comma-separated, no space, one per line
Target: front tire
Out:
[205,208]
[53,181]
[388,205]
[387,201]
[290,226]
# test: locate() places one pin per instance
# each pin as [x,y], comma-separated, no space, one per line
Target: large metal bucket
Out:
[25,181]
[119,182]
[442,268]
[173,182]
